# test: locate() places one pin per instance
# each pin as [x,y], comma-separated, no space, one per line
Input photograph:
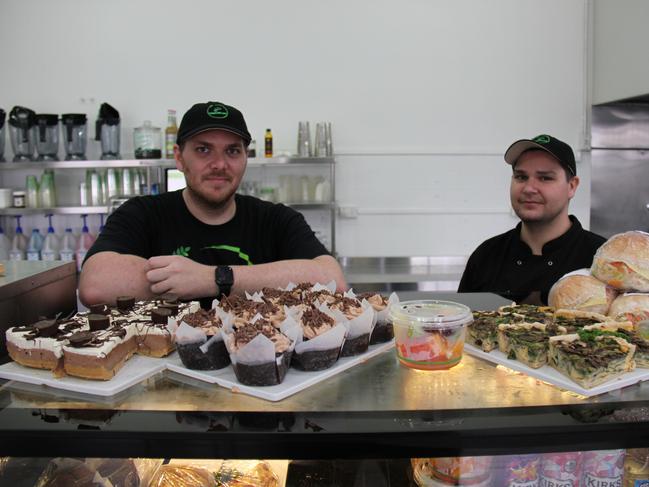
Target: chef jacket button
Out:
[519,262]
[550,262]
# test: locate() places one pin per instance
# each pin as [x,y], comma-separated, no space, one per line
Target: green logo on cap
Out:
[541,139]
[216,110]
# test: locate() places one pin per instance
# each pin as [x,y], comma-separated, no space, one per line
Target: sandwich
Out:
[593,355]
[633,307]
[527,342]
[581,292]
[623,261]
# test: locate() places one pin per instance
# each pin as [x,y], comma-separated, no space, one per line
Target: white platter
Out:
[136,369]
[294,381]
[554,377]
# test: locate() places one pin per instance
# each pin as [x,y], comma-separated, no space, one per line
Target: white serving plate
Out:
[294,381]
[554,377]
[136,369]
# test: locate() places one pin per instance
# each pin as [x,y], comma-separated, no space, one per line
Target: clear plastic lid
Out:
[429,313]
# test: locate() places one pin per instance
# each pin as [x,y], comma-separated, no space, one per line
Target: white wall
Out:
[424,96]
[620,67]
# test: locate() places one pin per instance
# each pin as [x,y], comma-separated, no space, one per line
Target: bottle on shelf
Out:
[5,245]
[170,134]
[101,223]
[85,242]
[51,244]
[68,246]
[18,242]
[268,143]
[35,245]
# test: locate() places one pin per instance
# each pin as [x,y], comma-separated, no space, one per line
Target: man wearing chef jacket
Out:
[205,240]
[523,263]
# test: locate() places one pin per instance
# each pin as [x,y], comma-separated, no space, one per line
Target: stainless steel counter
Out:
[403,273]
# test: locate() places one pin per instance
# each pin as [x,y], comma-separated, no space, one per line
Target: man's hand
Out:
[180,276]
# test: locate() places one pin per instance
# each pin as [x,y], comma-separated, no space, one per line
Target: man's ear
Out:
[573,184]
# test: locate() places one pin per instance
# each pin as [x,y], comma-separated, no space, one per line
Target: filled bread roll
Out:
[632,306]
[623,261]
[580,291]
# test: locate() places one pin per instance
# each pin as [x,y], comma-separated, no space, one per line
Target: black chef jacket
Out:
[505,265]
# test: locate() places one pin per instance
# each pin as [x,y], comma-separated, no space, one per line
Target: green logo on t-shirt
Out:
[184,251]
[230,248]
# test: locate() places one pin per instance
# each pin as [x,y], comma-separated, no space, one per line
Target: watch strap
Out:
[224,278]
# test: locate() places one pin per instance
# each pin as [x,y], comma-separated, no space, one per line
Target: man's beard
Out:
[211,203]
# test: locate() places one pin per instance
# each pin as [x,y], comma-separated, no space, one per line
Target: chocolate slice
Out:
[46,328]
[100,308]
[159,315]
[80,338]
[98,322]
[172,306]
[125,303]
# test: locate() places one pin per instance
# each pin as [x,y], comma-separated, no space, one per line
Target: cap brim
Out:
[246,138]
[517,148]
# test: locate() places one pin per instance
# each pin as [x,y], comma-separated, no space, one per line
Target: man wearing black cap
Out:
[523,263]
[205,240]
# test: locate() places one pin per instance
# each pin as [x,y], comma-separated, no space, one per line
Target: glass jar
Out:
[147,141]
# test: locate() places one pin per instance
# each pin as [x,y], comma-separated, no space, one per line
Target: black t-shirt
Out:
[260,232]
[505,265]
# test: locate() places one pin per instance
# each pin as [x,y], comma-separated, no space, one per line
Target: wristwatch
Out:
[224,278]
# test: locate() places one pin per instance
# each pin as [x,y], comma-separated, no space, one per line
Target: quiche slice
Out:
[592,356]
[527,342]
[574,320]
[528,313]
[483,331]
[629,332]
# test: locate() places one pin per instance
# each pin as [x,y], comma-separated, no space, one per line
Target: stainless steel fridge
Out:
[620,166]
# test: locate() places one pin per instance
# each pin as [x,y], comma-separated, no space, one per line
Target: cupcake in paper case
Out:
[359,329]
[243,309]
[383,330]
[319,342]
[199,341]
[260,353]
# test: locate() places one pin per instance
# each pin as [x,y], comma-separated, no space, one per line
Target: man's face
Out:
[539,190]
[213,163]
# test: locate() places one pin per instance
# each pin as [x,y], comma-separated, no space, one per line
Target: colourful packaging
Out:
[521,470]
[560,470]
[602,468]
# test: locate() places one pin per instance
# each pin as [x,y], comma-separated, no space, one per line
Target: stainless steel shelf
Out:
[161,163]
[59,210]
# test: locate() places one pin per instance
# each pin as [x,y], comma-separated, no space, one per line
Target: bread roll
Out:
[623,261]
[581,292]
[632,306]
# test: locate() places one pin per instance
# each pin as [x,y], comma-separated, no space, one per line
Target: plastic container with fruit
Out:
[429,334]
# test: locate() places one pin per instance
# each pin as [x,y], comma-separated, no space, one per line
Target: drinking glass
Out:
[303,140]
[320,140]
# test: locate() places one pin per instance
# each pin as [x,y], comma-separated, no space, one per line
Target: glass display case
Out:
[376,410]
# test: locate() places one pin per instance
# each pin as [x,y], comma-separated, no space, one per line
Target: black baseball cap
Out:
[212,115]
[553,146]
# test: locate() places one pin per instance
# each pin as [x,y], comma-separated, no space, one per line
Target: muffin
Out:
[208,352]
[383,330]
[260,353]
[321,341]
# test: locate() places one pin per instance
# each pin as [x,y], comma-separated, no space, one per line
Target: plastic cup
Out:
[429,334]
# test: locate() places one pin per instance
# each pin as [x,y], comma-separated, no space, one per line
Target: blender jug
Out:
[47,141]
[74,136]
[2,135]
[22,131]
[107,130]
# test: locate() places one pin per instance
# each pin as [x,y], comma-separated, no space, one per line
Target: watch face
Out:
[224,276]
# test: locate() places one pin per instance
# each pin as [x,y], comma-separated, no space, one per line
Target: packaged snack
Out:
[520,471]
[560,469]
[602,468]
